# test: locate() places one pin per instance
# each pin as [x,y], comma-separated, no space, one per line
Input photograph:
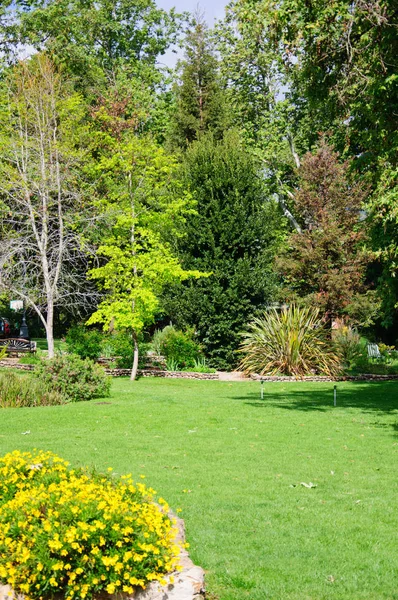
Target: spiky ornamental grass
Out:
[291,342]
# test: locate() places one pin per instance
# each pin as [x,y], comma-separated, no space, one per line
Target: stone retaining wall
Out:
[322,378]
[158,373]
[216,376]
[9,365]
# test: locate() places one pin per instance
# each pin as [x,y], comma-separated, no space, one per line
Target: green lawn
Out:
[42,344]
[234,464]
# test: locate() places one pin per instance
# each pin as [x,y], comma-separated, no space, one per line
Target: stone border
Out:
[323,378]
[159,373]
[216,376]
[8,365]
[189,584]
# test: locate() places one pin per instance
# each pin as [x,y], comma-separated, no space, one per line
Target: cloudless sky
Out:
[213,9]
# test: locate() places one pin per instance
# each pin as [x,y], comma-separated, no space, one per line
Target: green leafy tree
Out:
[91,39]
[334,64]
[340,61]
[145,204]
[235,236]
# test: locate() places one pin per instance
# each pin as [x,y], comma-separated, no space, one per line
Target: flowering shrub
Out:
[75,533]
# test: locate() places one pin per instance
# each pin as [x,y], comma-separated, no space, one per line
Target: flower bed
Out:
[76,533]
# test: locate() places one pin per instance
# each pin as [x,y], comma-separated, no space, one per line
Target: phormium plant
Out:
[293,341]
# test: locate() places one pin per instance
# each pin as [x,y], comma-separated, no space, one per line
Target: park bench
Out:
[18,345]
[373,351]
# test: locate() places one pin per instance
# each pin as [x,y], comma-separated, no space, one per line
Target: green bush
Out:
[17,391]
[291,342]
[84,342]
[177,346]
[201,366]
[76,379]
[121,346]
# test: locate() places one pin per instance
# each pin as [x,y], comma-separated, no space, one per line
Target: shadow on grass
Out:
[373,396]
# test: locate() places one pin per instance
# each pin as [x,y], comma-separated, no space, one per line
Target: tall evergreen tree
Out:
[235,235]
[200,102]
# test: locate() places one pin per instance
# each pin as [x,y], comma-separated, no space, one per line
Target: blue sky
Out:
[212,9]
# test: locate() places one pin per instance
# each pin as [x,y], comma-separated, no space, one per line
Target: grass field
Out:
[235,465]
[42,344]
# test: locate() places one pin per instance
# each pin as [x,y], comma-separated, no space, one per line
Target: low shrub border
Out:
[78,534]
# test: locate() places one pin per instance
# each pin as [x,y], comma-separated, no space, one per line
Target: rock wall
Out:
[322,378]
[158,373]
[218,376]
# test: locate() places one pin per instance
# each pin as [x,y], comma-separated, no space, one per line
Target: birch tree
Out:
[41,257]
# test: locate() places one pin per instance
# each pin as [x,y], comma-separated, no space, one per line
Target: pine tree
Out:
[200,101]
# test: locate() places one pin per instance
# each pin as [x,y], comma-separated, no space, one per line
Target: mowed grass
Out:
[42,344]
[235,464]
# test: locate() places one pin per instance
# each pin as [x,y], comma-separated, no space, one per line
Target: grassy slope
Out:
[230,460]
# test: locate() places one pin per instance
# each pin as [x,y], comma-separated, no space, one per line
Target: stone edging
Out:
[215,376]
[189,584]
[166,374]
[8,365]
[322,378]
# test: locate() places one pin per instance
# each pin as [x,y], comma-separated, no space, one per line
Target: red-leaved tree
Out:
[326,262]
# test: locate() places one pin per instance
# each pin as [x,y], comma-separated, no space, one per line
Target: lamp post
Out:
[23,330]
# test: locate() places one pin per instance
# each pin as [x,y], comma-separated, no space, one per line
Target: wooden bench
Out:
[18,345]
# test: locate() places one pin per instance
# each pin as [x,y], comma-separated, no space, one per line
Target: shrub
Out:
[121,346]
[178,346]
[348,345]
[172,365]
[22,391]
[201,366]
[74,534]
[76,379]
[388,353]
[84,342]
[292,342]
[3,352]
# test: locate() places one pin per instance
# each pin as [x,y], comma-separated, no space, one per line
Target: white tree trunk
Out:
[50,329]
[134,368]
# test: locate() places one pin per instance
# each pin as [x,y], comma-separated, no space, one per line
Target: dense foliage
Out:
[86,343]
[19,391]
[133,194]
[74,378]
[234,235]
[328,205]
[178,347]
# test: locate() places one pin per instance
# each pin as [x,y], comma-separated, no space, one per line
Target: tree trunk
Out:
[135,359]
[50,329]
